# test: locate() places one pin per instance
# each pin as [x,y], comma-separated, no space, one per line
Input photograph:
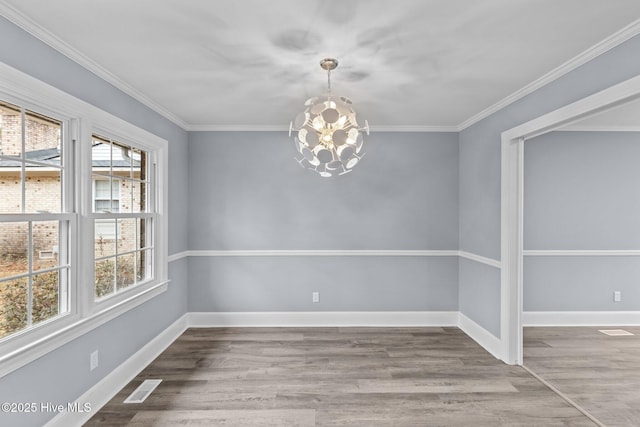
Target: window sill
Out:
[40,347]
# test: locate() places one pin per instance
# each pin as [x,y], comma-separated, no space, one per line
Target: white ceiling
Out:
[250,64]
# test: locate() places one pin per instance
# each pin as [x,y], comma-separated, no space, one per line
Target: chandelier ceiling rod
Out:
[329,64]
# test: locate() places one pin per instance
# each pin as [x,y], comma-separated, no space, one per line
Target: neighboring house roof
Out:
[51,156]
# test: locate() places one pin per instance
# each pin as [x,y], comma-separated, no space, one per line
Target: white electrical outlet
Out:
[616,296]
[93,360]
[315,296]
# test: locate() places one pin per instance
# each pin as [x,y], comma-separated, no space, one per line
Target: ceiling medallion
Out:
[327,135]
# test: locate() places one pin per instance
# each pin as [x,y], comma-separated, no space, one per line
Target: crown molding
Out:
[416,128]
[27,24]
[284,128]
[236,128]
[320,252]
[603,128]
[594,51]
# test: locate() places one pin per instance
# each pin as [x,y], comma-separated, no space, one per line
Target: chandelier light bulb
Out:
[327,136]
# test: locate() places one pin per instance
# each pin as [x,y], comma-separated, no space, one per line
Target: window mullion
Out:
[23,155]
[84,240]
[67,283]
[30,276]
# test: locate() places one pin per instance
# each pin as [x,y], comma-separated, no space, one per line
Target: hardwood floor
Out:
[598,372]
[336,377]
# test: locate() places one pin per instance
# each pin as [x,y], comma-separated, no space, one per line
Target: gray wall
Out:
[480,160]
[403,195]
[479,294]
[582,192]
[63,375]
[347,283]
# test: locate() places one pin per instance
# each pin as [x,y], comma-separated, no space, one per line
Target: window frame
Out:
[80,121]
[123,135]
[20,339]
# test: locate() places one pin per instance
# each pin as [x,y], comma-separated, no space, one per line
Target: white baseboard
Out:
[98,395]
[581,318]
[323,318]
[486,339]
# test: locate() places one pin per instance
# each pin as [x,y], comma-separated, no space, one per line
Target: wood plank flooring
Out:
[600,373]
[336,377]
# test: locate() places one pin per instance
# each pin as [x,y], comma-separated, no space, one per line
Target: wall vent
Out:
[615,332]
[46,255]
[143,391]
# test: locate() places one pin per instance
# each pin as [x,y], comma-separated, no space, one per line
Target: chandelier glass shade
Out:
[327,135]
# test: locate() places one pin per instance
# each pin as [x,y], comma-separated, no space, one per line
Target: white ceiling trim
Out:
[58,44]
[414,128]
[282,128]
[603,128]
[237,128]
[598,49]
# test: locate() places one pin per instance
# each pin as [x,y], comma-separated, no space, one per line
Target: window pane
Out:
[10,188]
[125,271]
[139,164]
[105,237]
[43,136]
[127,235]
[139,194]
[13,310]
[14,239]
[43,191]
[106,194]
[126,196]
[107,206]
[104,277]
[101,156]
[102,189]
[144,238]
[46,292]
[121,159]
[10,130]
[143,265]
[46,244]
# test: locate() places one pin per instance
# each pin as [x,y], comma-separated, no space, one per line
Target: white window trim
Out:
[86,315]
[123,133]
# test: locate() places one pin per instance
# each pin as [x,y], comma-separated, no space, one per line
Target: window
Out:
[83,225]
[123,215]
[106,195]
[35,223]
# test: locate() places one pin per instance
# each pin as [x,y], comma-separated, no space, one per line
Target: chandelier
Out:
[327,135]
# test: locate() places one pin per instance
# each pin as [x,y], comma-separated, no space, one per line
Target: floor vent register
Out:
[143,391]
[615,332]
